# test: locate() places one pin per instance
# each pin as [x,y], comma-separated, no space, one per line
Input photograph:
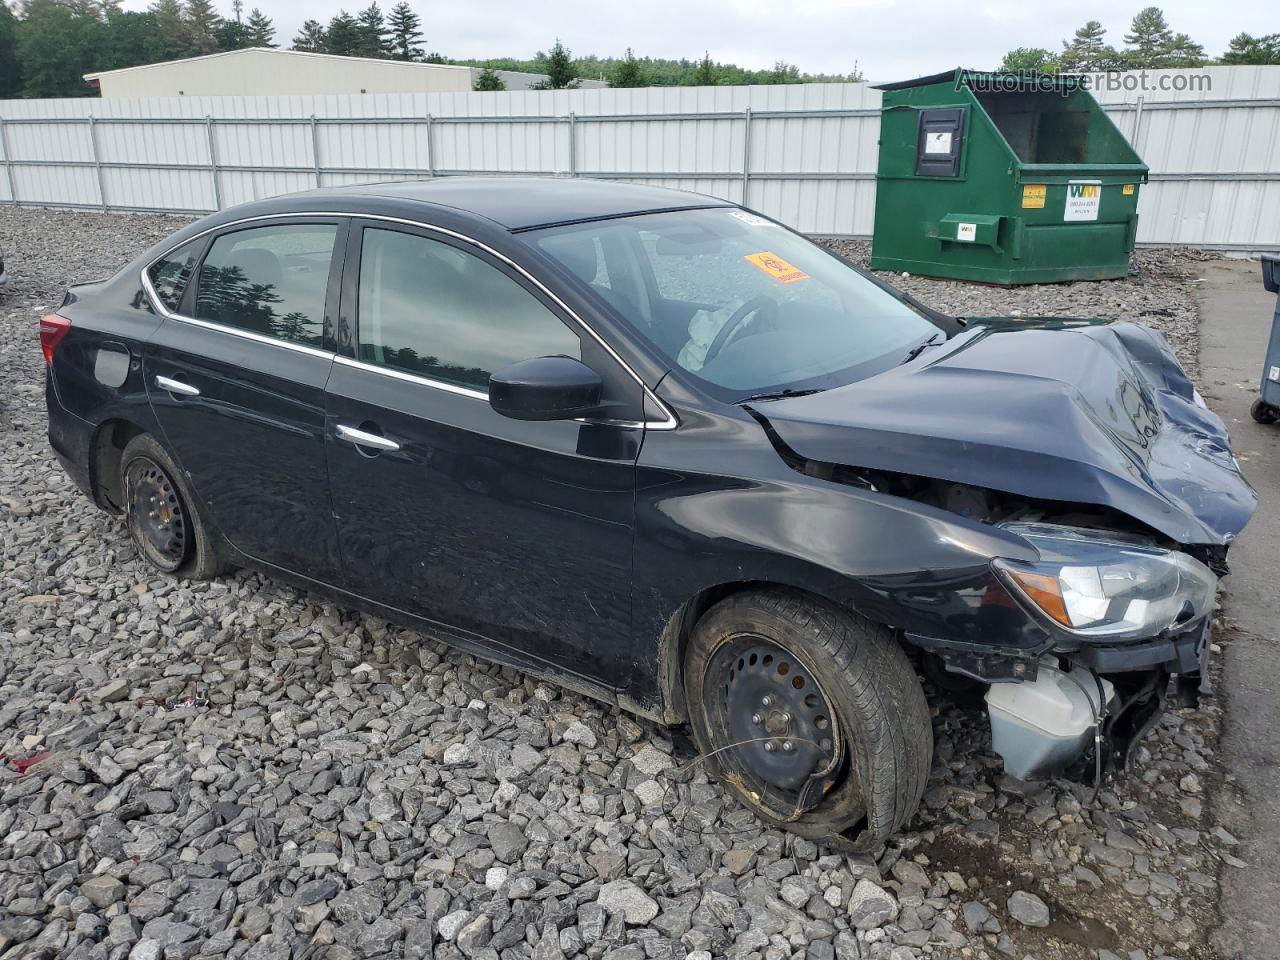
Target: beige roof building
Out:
[263,71]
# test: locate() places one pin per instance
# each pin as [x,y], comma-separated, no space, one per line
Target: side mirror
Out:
[545,388]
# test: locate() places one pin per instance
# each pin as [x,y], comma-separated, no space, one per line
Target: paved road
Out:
[1235,322]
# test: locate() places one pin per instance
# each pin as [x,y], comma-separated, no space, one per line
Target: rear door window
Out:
[428,308]
[269,280]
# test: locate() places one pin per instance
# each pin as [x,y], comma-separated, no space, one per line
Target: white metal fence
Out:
[803,153]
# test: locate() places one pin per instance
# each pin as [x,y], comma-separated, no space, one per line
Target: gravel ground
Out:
[348,790]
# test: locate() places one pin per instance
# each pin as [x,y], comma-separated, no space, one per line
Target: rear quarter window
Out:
[170,274]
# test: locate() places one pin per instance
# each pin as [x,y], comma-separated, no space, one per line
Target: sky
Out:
[888,39]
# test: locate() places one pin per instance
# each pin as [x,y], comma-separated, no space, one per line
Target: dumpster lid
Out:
[1042,81]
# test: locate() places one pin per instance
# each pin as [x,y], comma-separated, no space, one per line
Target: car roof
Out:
[519,203]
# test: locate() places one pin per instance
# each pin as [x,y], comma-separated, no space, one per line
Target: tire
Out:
[1264,413]
[882,738]
[157,501]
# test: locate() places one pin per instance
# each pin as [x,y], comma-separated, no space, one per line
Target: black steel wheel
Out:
[811,714]
[157,514]
[786,737]
[161,515]
[1264,413]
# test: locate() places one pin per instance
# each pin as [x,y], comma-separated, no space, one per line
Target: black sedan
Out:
[670,453]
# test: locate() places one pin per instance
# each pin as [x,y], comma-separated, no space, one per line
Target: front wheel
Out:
[1264,413]
[161,515]
[812,714]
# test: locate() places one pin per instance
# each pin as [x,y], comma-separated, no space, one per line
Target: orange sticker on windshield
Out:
[776,267]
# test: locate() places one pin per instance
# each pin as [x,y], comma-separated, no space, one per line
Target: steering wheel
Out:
[754,306]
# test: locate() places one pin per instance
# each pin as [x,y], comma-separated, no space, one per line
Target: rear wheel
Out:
[811,714]
[1264,413]
[161,515]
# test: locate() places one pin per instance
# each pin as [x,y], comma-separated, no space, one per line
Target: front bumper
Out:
[1182,654]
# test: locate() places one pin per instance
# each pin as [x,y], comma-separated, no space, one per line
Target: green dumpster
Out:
[1003,178]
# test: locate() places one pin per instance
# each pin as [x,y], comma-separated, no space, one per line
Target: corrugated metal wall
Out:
[803,153]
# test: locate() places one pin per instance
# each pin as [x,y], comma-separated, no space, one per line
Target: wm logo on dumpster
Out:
[1083,190]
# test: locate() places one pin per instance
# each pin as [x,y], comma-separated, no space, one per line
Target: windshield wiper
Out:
[920,348]
[779,395]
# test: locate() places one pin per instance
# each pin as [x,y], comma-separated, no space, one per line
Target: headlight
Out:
[1108,586]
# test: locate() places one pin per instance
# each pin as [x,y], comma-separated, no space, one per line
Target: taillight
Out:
[52,329]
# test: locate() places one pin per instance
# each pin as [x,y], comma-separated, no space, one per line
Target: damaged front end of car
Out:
[1086,445]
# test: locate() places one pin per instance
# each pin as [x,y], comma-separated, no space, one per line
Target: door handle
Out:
[362,439]
[177,386]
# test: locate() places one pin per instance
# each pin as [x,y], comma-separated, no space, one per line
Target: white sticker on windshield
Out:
[1275,374]
[750,218]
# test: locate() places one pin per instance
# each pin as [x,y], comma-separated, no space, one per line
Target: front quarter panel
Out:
[716,506]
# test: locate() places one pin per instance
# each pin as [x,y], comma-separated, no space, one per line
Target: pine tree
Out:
[488,79]
[1152,45]
[175,34]
[1247,49]
[202,26]
[1182,52]
[1088,51]
[342,37]
[627,73]
[237,8]
[260,31]
[374,40]
[311,38]
[1148,38]
[704,75]
[559,68]
[406,35]
[232,35]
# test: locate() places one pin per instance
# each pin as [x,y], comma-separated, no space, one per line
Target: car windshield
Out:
[743,304]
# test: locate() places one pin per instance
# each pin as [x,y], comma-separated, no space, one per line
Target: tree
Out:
[311,38]
[1035,59]
[406,35]
[1088,51]
[10,74]
[1152,45]
[55,45]
[704,75]
[202,26]
[260,31]
[1246,49]
[559,67]
[129,39]
[488,79]
[342,37]
[1182,51]
[232,35]
[171,22]
[783,72]
[628,73]
[1148,37]
[374,39]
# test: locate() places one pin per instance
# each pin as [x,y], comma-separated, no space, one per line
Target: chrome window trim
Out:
[668,422]
[159,306]
[412,378]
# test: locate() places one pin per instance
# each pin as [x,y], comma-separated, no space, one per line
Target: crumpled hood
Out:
[1075,411]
